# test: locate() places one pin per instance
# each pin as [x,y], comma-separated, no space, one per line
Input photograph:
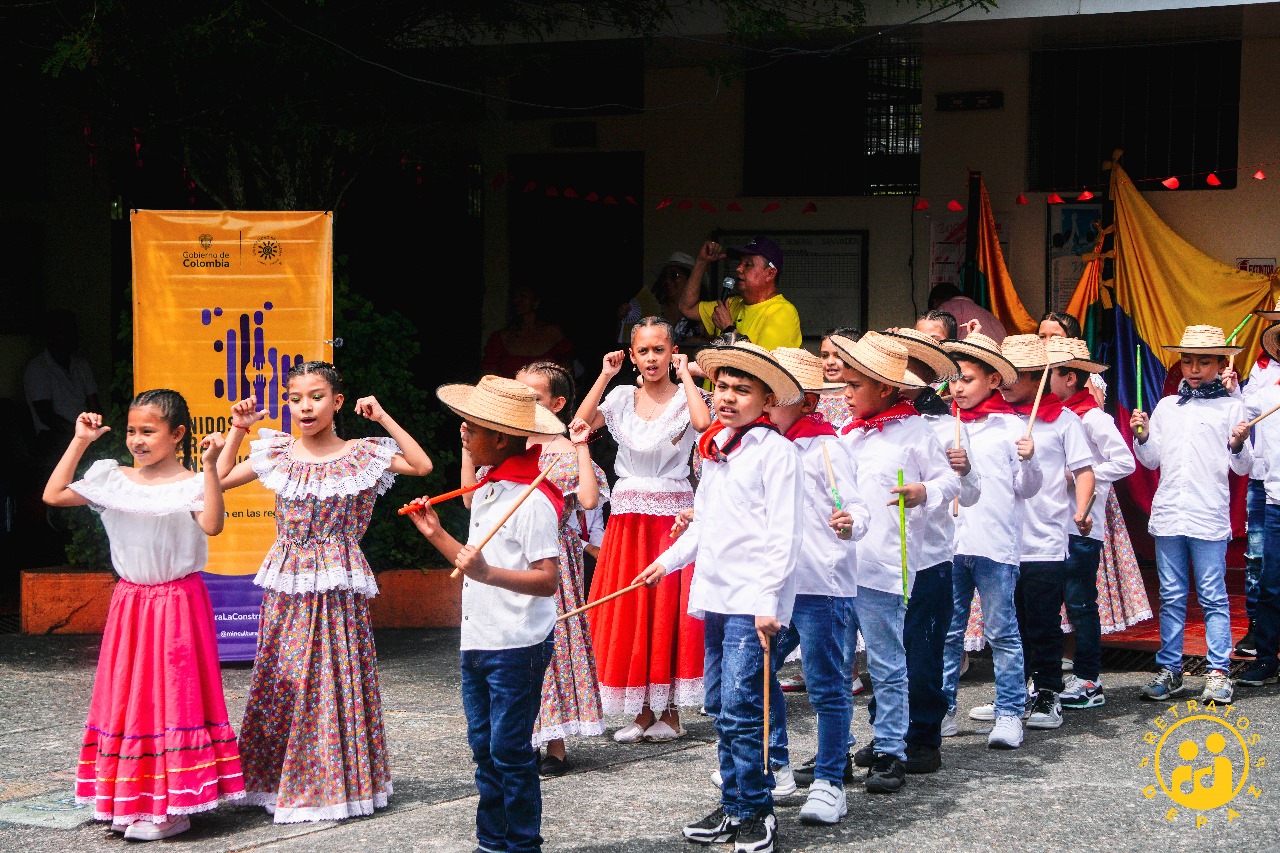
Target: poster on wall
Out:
[224,303]
[947,239]
[1265,266]
[1072,233]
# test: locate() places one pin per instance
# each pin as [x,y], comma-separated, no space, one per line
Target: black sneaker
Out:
[550,766]
[804,774]
[886,774]
[715,828]
[866,755]
[922,759]
[756,834]
[1247,647]
[1260,674]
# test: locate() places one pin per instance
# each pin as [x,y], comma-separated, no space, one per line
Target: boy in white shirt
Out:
[989,533]
[507,608]
[1264,623]
[1112,462]
[1194,438]
[888,439]
[746,537]
[1064,454]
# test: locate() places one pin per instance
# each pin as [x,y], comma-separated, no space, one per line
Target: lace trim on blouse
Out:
[367,465]
[107,488]
[672,423]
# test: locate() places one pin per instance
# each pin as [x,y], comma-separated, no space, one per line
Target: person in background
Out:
[947,297]
[759,311]
[662,298]
[58,382]
[526,339]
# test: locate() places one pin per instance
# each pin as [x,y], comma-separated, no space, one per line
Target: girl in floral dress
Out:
[157,742]
[648,648]
[312,738]
[833,407]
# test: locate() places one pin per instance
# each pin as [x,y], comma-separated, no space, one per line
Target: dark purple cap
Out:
[762,246]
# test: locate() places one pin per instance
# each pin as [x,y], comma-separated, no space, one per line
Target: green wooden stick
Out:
[1139,379]
[1231,337]
[902,530]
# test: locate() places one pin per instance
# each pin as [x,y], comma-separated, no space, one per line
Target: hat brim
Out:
[781,383]
[1227,351]
[458,399]
[826,389]
[1085,365]
[1271,341]
[1006,368]
[1273,316]
[943,365]
[908,380]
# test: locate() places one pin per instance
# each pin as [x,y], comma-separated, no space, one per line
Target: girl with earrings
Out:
[648,649]
[157,743]
[314,747]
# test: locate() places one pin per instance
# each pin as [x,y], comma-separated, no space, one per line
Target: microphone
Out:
[727,287]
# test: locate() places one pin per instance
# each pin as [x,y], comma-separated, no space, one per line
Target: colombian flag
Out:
[994,288]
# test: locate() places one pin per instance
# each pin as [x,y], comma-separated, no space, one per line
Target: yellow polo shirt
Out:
[771,324]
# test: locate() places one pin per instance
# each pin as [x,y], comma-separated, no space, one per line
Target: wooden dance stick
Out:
[515,506]
[1088,508]
[1035,407]
[1265,414]
[610,597]
[418,503]
[1138,382]
[902,531]
[955,413]
[767,673]
[831,476]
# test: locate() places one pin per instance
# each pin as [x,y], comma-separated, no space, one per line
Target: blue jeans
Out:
[997,583]
[1256,550]
[849,648]
[1080,590]
[924,633]
[1267,617]
[1040,622]
[818,626]
[733,675]
[501,693]
[1175,557]
[881,616]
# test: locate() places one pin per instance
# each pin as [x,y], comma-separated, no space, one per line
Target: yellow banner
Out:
[224,302]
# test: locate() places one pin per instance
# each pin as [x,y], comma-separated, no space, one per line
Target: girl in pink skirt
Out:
[157,742]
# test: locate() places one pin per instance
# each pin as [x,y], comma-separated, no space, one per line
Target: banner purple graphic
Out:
[236,604]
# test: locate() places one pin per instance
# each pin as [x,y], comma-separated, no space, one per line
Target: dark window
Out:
[833,125]
[1174,109]
[590,78]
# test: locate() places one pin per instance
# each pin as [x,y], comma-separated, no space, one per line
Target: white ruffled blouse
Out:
[653,456]
[154,539]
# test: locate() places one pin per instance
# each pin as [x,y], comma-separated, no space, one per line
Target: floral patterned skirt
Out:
[570,690]
[312,738]
[648,648]
[157,741]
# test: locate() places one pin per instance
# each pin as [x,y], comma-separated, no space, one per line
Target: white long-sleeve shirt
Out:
[908,445]
[746,532]
[1112,462]
[1266,439]
[828,565]
[1062,448]
[1260,379]
[1188,443]
[940,536]
[992,527]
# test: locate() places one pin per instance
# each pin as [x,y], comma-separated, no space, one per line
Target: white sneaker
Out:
[825,804]
[1007,733]
[145,830]
[985,713]
[784,781]
[949,726]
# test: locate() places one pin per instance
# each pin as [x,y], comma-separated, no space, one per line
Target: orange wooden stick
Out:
[1035,407]
[600,601]
[418,503]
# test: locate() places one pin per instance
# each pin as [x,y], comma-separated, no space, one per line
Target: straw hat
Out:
[1271,341]
[1204,340]
[921,346]
[1028,352]
[1269,315]
[880,357]
[806,368]
[755,360]
[501,404]
[978,346]
[1077,352]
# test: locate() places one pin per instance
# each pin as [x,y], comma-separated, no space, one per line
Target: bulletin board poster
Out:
[224,303]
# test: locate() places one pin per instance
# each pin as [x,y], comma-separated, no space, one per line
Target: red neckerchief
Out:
[707,450]
[813,424]
[1079,402]
[1050,407]
[993,405]
[1263,359]
[900,410]
[524,469]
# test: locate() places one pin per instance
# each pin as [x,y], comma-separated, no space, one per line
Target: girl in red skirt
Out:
[157,742]
[648,649]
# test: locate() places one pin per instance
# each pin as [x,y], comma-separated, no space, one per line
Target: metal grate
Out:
[894,106]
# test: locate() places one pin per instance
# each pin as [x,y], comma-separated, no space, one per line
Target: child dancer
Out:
[507,608]
[1264,624]
[832,406]
[826,581]
[1112,462]
[648,649]
[313,741]
[570,692]
[1064,453]
[888,440]
[989,533]
[1194,439]
[157,742]
[746,537]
